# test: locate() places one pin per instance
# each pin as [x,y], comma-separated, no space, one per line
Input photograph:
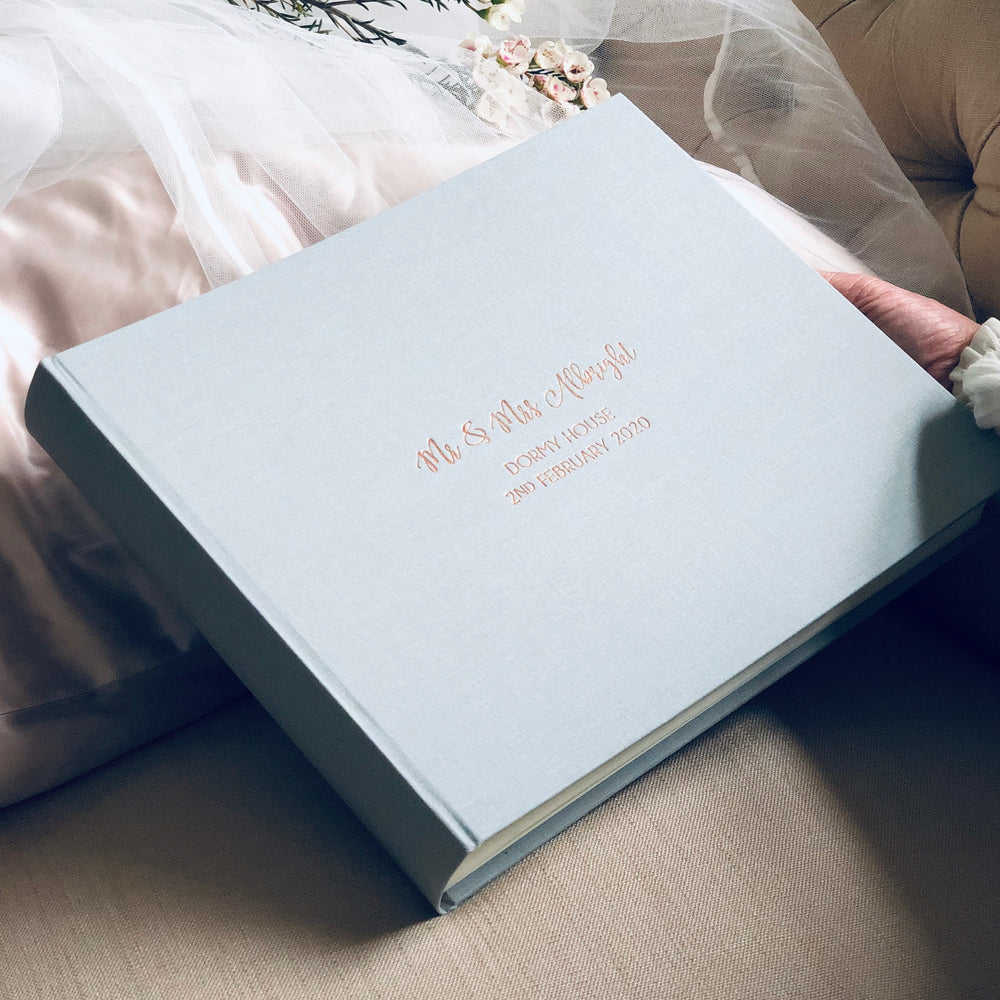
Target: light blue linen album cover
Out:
[538,466]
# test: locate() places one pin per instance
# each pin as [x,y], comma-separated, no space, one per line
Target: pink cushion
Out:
[93,657]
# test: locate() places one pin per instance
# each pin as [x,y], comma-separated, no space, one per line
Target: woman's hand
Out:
[932,334]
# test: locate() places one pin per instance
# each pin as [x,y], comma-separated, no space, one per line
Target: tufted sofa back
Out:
[928,74]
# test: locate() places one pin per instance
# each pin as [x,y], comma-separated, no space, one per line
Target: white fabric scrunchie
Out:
[977,377]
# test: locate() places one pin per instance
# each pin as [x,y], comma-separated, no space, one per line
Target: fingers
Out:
[931,333]
[869,294]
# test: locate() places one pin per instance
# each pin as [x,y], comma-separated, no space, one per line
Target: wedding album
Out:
[497,499]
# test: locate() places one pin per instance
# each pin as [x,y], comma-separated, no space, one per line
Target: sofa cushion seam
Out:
[834,13]
[902,103]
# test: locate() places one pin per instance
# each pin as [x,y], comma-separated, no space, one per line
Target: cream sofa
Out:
[835,838]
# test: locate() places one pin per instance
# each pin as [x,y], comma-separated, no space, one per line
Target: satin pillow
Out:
[94,659]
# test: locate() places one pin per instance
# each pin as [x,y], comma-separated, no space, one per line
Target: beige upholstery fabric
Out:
[928,74]
[834,839]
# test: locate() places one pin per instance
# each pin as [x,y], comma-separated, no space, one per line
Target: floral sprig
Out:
[322,15]
[555,70]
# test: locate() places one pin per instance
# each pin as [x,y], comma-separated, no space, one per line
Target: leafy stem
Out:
[319,15]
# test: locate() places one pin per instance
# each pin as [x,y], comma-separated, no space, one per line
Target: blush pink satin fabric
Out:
[93,657]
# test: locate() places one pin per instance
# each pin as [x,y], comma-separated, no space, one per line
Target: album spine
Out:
[426,844]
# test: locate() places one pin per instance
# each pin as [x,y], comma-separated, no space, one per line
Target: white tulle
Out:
[239,113]
[977,377]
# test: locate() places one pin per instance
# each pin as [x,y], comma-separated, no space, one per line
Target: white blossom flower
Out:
[516,9]
[505,97]
[550,54]
[489,75]
[559,90]
[576,67]
[499,17]
[478,45]
[515,53]
[594,91]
